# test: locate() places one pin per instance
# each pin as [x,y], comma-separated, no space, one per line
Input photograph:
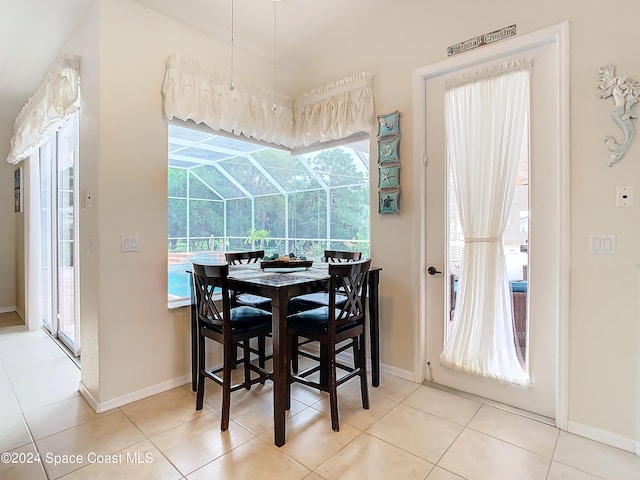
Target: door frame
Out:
[558,36]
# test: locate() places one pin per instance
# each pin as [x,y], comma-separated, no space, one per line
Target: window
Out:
[226,194]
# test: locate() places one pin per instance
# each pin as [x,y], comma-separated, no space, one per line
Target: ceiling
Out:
[303,26]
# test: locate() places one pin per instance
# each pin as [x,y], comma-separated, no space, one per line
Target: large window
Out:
[226,194]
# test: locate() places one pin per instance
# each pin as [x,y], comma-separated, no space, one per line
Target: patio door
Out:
[532,240]
[58,234]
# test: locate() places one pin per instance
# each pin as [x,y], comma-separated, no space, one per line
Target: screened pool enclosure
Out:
[226,194]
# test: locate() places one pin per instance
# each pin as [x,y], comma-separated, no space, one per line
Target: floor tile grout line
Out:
[24,420]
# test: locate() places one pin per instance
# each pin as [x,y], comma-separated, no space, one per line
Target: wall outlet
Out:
[624,196]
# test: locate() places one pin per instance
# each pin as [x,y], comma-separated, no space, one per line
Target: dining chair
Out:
[249,299]
[238,298]
[318,299]
[231,327]
[333,324]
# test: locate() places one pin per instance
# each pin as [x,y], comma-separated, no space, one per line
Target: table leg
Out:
[280,364]
[374,326]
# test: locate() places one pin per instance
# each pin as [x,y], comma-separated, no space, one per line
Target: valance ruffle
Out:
[55,99]
[196,92]
[335,111]
[193,91]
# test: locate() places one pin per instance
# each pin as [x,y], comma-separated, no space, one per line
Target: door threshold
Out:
[63,347]
[492,403]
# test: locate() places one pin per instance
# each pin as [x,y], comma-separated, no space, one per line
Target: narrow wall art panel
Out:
[389,163]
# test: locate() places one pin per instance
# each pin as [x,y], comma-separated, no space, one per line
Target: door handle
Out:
[432,271]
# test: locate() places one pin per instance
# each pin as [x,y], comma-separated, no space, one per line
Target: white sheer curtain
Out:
[193,91]
[55,99]
[335,111]
[487,120]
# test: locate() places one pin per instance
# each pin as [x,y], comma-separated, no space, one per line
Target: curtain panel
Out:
[55,99]
[335,111]
[487,124]
[193,91]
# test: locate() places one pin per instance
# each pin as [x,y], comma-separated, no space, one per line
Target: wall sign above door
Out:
[480,40]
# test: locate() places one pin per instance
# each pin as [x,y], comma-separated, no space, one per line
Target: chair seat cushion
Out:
[314,300]
[245,318]
[251,300]
[315,320]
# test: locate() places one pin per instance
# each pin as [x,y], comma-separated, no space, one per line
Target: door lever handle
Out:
[432,271]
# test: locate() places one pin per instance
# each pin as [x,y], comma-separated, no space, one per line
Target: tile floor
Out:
[10,321]
[410,432]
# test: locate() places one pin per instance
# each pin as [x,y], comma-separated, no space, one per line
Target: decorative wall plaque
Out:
[481,40]
[625,93]
[389,162]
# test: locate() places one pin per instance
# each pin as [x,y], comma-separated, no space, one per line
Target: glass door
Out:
[59,236]
[46,231]
[527,242]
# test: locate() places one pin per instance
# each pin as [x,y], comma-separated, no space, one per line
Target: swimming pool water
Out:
[179,281]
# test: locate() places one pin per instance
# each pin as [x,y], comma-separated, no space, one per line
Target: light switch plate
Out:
[602,244]
[130,243]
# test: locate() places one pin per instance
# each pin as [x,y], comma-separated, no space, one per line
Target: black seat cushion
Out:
[244,318]
[315,320]
[314,300]
[251,300]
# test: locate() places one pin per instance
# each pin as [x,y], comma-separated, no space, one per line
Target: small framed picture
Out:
[389,124]
[17,181]
[388,201]
[389,177]
[388,150]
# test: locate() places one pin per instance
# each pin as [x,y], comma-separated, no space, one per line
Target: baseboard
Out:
[100,407]
[397,372]
[8,310]
[86,394]
[603,436]
[384,368]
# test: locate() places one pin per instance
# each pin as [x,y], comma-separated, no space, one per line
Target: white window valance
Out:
[55,99]
[335,111]
[196,92]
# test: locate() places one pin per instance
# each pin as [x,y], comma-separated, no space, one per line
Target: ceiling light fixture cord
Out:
[232,86]
[275,54]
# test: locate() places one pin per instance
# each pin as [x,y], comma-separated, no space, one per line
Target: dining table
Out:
[280,285]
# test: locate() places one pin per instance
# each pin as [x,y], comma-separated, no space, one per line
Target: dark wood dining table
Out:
[280,286]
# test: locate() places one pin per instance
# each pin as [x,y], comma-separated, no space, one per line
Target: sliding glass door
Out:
[58,205]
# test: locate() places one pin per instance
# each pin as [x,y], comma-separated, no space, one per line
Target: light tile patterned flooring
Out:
[410,432]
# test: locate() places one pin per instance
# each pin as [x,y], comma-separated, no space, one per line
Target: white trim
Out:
[100,407]
[318,146]
[398,372]
[602,436]
[559,36]
[7,309]
[561,40]
[86,394]
[638,371]
[384,368]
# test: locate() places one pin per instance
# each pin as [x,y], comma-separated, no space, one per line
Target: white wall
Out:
[412,34]
[8,220]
